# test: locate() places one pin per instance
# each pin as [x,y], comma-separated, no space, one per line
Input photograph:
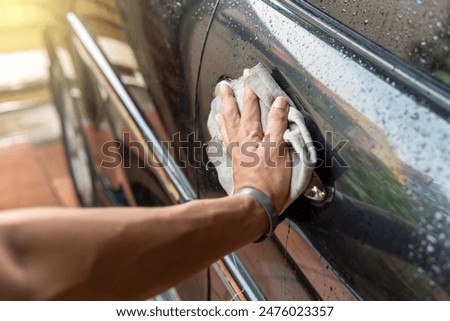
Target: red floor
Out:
[33,177]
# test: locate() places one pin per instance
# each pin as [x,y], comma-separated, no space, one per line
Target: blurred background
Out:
[33,170]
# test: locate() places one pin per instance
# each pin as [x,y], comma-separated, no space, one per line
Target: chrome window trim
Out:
[171,176]
[169,295]
[167,171]
[243,278]
[380,57]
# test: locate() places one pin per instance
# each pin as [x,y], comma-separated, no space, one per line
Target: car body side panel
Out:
[383,146]
[133,182]
[167,38]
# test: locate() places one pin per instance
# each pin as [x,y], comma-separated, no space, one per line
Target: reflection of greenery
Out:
[368,179]
[444,73]
[371,182]
[406,195]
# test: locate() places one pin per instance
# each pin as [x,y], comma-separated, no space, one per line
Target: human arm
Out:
[108,254]
[116,253]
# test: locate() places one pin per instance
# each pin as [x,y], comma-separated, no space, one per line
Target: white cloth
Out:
[303,152]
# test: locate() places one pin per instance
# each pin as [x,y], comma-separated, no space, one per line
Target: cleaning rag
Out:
[303,152]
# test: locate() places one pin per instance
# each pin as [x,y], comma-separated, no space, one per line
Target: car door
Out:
[125,100]
[381,126]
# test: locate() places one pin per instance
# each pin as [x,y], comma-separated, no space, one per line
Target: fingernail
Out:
[218,90]
[280,102]
[224,87]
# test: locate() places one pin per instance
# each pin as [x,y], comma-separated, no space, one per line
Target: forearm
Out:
[119,253]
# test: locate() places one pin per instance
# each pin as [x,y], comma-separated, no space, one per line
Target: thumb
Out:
[277,119]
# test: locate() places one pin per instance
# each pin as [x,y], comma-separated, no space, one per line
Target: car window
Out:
[416,30]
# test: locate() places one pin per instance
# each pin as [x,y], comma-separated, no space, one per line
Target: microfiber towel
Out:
[303,152]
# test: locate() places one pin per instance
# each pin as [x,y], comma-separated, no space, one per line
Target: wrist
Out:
[249,206]
[274,197]
[267,204]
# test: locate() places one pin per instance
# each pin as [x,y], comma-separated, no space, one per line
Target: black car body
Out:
[133,81]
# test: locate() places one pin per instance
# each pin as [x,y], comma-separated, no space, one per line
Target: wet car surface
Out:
[145,72]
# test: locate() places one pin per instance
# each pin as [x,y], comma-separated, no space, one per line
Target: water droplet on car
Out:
[436,268]
[431,238]
[447,243]
[438,215]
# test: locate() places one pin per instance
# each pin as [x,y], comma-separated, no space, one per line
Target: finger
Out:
[230,110]
[251,115]
[277,119]
[223,129]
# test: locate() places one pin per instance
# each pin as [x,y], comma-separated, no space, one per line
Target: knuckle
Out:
[251,100]
[250,132]
[227,100]
[253,134]
[283,100]
[249,95]
[277,115]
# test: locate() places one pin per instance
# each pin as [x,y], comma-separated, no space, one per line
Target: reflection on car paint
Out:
[395,177]
[414,30]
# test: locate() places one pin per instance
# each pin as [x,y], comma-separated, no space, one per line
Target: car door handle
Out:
[316,191]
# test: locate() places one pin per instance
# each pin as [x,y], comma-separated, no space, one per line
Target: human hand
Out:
[260,161]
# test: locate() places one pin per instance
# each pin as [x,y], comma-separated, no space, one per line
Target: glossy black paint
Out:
[167,38]
[380,232]
[386,232]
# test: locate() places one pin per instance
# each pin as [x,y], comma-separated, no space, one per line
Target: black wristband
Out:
[268,206]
